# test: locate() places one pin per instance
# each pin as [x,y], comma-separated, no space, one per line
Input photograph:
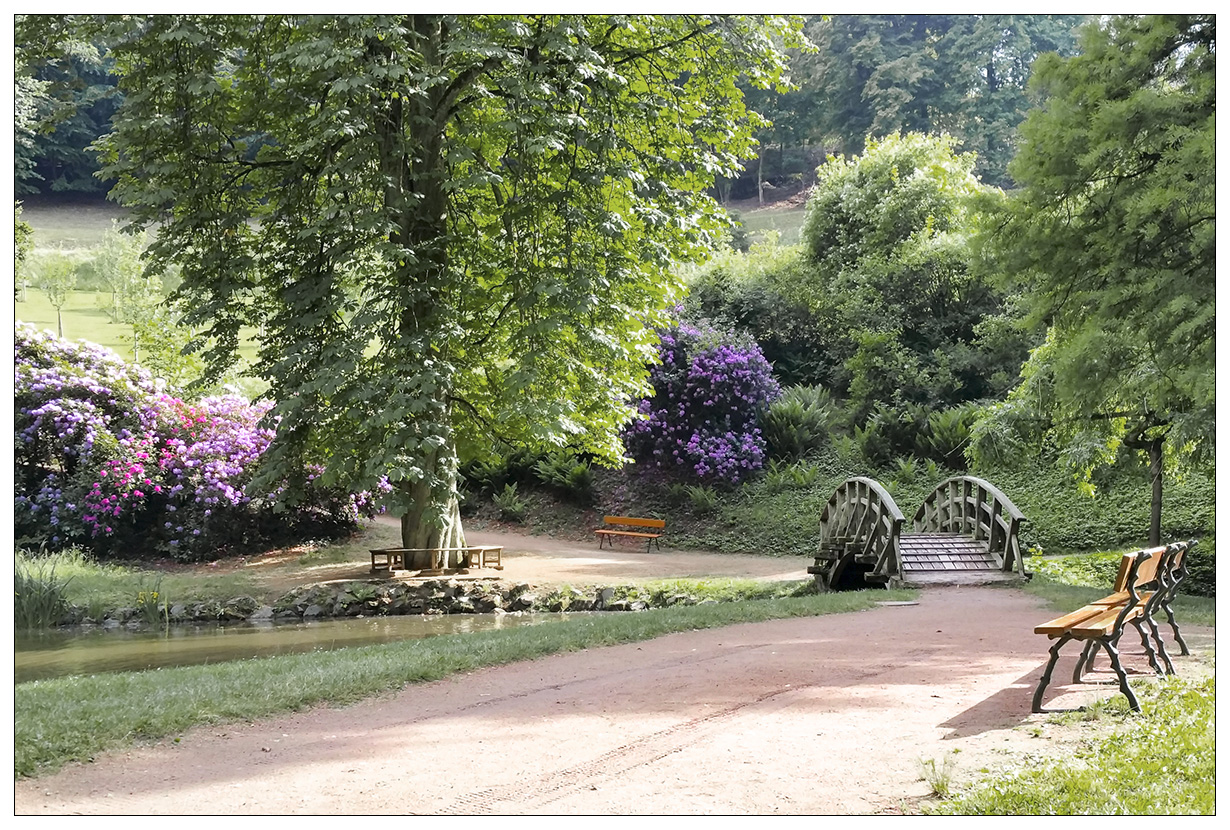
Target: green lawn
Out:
[84,319]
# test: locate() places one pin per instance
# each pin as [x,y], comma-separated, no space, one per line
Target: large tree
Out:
[1113,235]
[445,230]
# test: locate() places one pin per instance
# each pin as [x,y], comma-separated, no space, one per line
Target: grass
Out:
[106,585]
[1160,761]
[75,718]
[84,319]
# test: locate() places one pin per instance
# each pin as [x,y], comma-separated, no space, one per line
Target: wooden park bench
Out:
[606,532]
[1147,580]
[474,556]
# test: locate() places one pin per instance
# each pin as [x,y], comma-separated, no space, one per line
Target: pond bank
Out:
[390,597]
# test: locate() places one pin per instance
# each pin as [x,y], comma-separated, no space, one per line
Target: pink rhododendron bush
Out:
[106,459]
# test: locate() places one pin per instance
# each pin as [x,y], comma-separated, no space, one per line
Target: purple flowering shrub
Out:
[108,460]
[710,391]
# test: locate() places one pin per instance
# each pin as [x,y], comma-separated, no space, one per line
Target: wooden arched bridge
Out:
[965,530]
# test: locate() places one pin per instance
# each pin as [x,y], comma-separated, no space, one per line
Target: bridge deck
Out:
[947,559]
[943,552]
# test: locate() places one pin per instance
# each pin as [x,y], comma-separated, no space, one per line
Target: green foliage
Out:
[512,507]
[798,422]
[702,498]
[1064,519]
[1113,236]
[964,73]
[938,774]
[451,228]
[568,475]
[757,293]
[56,276]
[1160,761]
[40,598]
[23,244]
[153,606]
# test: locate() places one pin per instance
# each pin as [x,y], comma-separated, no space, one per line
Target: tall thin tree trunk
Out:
[1155,513]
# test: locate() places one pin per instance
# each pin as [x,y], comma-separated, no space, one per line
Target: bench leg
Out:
[1145,641]
[1115,664]
[1161,645]
[1178,638]
[1085,663]
[1046,674]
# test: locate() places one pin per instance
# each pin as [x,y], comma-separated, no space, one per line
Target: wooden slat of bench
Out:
[633,521]
[1061,625]
[628,533]
[1104,623]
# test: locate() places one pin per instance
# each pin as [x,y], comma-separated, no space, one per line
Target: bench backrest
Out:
[633,522]
[1146,573]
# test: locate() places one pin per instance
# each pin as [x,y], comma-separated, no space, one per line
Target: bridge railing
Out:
[862,514]
[973,507]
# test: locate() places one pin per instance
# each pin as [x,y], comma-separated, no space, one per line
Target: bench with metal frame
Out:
[1147,580]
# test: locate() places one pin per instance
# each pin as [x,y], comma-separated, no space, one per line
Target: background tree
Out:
[132,295]
[1113,233]
[463,225]
[23,244]
[893,289]
[966,75]
[65,95]
[57,277]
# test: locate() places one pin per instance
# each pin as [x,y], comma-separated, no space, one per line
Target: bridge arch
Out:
[860,530]
[965,528]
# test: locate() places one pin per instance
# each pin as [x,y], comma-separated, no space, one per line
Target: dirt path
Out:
[829,715]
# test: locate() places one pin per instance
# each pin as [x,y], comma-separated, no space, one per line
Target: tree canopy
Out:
[1113,237]
[445,230]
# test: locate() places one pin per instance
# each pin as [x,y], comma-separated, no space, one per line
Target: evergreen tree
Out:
[1113,235]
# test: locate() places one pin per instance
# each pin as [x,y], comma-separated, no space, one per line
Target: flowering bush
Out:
[709,394]
[107,459]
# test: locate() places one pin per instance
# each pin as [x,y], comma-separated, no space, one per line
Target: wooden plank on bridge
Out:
[943,552]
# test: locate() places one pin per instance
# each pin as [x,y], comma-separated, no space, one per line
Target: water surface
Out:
[62,652]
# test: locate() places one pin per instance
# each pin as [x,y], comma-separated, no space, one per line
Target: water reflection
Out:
[58,653]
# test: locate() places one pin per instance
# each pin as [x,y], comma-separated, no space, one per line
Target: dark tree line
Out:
[868,75]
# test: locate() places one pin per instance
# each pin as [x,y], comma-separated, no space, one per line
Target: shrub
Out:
[511,506]
[704,499]
[799,422]
[710,391]
[107,460]
[567,475]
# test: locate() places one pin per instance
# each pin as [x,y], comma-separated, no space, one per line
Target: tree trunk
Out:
[433,519]
[411,136]
[1155,513]
[760,178]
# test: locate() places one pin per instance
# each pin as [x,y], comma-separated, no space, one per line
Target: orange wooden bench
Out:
[1147,580]
[607,531]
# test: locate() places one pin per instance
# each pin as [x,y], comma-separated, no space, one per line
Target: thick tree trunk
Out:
[433,520]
